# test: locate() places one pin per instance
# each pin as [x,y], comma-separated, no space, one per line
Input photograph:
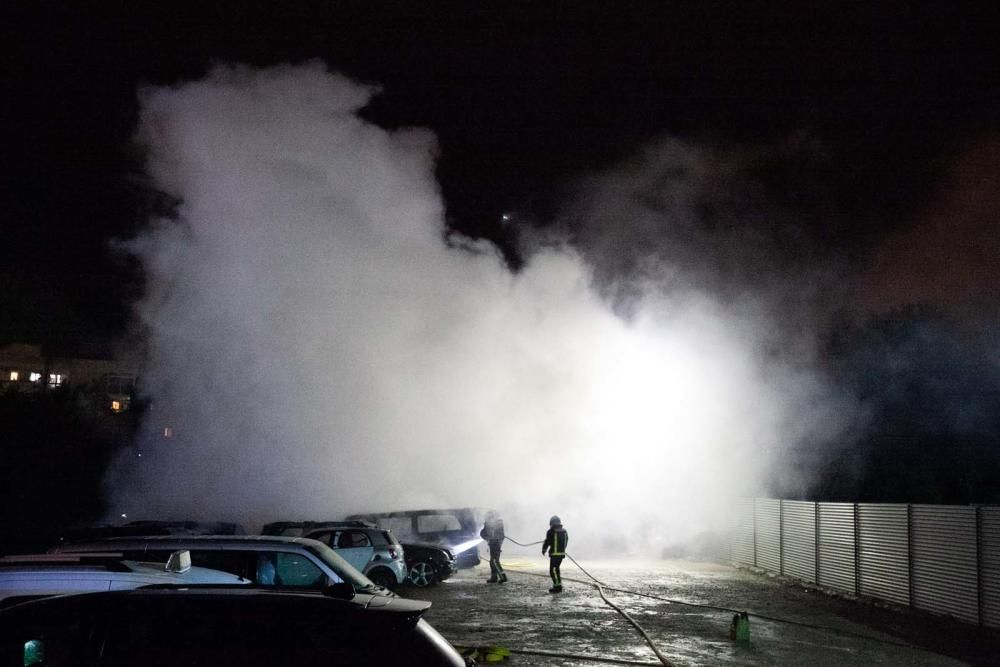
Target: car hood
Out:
[396,604]
[425,545]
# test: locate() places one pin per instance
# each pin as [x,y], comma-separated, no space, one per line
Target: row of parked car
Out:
[168,595]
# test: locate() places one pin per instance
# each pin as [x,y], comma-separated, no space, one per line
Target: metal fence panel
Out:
[943,542]
[883,535]
[836,533]
[798,539]
[768,524]
[743,535]
[989,584]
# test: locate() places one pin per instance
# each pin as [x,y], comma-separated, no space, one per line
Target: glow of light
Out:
[14,375]
[116,406]
[459,548]
[124,516]
[35,377]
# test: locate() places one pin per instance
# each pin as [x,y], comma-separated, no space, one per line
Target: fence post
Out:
[909,552]
[979,564]
[857,551]
[781,537]
[816,541]
[755,531]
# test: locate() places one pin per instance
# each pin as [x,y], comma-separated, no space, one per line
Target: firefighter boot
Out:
[556,589]
[503,577]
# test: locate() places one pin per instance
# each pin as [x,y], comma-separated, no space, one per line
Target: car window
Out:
[401,526]
[437,523]
[288,569]
[242,563]
[352,539]
[339,566]
[324,536]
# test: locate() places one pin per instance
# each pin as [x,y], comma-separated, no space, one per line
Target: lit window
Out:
[35,377]
[14,376]
[56,379]
[168,432]
[116,406]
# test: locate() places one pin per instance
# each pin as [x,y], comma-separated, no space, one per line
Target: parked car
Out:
[426,564]
[375,552]
[34,576]
[264,560]
[456,529]
[222,627]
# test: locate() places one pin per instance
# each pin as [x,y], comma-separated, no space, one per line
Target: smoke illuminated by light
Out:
[323,351]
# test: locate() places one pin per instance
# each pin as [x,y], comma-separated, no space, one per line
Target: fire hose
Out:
[601,587]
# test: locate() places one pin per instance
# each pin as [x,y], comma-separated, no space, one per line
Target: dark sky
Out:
[524,97]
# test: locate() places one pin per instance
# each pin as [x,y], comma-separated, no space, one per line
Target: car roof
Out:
[310,525]
[240,593]
[233,542]
[451,510]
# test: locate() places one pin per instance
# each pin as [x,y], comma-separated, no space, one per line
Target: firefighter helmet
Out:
[555,521]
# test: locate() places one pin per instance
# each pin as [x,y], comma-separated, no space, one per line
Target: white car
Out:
[28,577]
[264,560]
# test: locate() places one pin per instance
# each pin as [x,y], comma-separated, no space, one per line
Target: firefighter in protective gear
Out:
[555,543]
[492,532]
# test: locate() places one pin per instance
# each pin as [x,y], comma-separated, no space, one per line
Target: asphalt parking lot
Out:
[578,628]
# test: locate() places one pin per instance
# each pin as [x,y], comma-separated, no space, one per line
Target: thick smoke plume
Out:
[318,348]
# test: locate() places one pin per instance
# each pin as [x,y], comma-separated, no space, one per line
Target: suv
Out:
[266,561]
[375,552]
[30,577]
[456,529]
[426,564]
[222,627]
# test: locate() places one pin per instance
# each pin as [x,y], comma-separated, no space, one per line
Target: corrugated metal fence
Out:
[939,558]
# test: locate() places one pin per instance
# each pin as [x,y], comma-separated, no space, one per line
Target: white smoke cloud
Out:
[320,350]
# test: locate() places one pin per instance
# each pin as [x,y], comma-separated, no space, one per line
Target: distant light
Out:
[116,406]
[505,217]
[168,432]
[14,376]
[140,455]
[35,377]
[124,516]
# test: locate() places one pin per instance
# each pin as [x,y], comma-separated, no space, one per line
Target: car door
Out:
[354,546]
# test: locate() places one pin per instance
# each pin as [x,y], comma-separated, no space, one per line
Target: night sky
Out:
[897,104]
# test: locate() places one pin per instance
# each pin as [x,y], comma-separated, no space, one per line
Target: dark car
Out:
[426,564]
[456,529]
[221,626]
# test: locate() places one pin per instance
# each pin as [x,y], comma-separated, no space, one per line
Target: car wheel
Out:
[422,574]
[382,577]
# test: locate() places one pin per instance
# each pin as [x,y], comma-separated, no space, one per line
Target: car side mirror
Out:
[340,591]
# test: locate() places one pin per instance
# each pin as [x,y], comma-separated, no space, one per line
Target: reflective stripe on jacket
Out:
[556,540]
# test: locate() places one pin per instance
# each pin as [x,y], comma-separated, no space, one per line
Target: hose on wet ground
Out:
[600,589]
[602,586]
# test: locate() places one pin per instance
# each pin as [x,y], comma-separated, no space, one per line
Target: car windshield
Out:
[341,566]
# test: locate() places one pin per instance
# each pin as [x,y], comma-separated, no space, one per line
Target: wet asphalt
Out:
[576,627]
